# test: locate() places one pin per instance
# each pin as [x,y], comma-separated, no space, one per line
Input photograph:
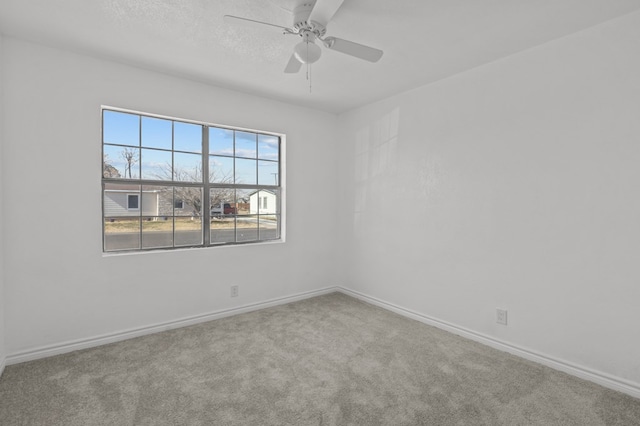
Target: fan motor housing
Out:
[301,14]
[301,21]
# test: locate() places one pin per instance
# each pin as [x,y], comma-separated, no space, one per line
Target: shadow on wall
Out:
[376,151]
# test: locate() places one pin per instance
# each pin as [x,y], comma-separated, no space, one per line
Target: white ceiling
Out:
[423,40]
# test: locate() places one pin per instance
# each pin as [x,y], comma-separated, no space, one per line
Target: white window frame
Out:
[278,187]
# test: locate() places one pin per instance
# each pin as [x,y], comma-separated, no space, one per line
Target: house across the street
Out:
[127,203]
[263,202]
[155,204]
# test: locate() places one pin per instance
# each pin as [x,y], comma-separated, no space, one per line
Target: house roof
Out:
[262,190]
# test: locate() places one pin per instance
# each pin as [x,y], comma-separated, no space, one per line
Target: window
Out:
[169,183]
[133,201]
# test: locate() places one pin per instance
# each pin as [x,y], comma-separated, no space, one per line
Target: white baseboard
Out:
[603,379]
[57,349]
[600,378]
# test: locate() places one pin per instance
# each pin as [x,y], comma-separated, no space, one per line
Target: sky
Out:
[235,156]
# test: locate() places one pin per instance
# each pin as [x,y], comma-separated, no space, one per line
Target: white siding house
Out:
[121,202]
[263,202]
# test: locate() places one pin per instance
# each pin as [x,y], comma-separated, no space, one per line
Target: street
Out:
[157,239]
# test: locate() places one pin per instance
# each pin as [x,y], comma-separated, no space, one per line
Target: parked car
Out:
[222,209]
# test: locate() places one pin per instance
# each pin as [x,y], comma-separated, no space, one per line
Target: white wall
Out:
[512,185]
[2,298]
[58,285]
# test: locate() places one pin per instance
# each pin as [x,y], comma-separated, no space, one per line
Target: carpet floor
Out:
[328,360]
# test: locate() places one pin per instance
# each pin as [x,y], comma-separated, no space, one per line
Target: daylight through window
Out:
[169,183]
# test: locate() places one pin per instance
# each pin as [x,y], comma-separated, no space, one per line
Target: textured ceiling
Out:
[423,40]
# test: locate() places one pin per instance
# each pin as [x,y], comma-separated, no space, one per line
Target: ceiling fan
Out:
[310,19]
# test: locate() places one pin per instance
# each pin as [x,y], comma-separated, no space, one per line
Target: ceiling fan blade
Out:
[293,66]
[354,49]
[250,22]
[324,10]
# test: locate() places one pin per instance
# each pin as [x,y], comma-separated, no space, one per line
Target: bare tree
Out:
[192,196]
[130,155]
[221,195]
[108,170]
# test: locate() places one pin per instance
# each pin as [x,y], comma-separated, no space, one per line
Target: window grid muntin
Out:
[205,185]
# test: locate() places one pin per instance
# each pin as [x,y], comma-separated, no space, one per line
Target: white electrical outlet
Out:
[501,316]
[234,291]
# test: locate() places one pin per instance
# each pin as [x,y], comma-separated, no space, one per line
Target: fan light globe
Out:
[307,52]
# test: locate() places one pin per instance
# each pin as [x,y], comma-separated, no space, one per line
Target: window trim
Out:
[205,185]
[137,197]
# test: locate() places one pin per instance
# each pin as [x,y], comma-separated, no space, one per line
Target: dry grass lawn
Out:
[181,224]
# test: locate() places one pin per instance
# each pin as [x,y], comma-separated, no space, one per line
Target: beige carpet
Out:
[330,360]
